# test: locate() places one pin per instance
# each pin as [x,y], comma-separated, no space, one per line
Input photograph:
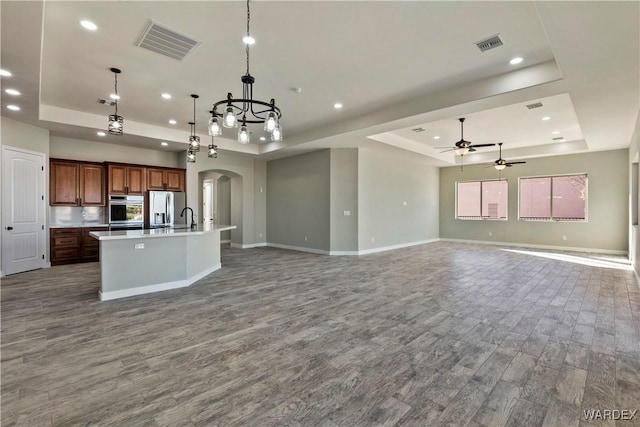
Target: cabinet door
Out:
[136,180]
[63,183]
[175,179]
[155,179]
[92,185]
[117,179]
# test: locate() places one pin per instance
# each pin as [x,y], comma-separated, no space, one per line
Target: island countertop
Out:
[160,232]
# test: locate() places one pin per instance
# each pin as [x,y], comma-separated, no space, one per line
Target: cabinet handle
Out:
[80,201]
[77,203]
[126,190]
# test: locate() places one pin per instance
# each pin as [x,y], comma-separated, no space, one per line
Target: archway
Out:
[221,202]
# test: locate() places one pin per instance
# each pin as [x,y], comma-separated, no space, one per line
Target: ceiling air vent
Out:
[107,102]
[534,105]
[167,41]
[418,130]
[490,43]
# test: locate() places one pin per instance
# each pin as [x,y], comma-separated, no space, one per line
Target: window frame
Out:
[481,218]
[551,218]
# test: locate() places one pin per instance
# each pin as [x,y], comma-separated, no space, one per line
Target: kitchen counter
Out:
[78,225]
[160,232]
[136,262]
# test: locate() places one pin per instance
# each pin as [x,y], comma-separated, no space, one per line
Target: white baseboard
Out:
[299,248]
[248,245]
[124,293]
[535,246]
[225,241]
[398,246]
[47,265]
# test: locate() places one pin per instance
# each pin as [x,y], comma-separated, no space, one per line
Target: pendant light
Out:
[212,151]
[116,122]
[194,140]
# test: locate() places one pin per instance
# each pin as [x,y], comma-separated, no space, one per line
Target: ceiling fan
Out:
[463,147]
[501,163]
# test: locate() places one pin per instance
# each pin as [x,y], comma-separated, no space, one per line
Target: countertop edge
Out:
[144,234]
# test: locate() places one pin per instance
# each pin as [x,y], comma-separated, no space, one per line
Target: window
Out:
[553,198]
[481,200]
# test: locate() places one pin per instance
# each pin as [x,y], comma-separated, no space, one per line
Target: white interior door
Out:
[208,204]
[23,212]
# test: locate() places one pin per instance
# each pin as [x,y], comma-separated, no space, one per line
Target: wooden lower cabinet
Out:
[72,245]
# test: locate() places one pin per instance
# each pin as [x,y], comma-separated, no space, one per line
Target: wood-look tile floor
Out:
[432,335]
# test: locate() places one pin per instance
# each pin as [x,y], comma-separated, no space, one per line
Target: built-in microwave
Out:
[126,211]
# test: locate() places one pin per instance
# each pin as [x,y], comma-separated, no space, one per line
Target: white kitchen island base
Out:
[145,261]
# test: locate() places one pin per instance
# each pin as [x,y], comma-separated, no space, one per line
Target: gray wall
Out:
[344,197]
[246,171]
[607,203]
[223,204]
[76,149]
[298,201]
[387,178]
[634,157]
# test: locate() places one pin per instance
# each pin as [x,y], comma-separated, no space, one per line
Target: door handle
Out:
[9,228]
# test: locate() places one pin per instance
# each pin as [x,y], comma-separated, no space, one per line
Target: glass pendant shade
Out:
[500,167]
[215,127]
[276,135]
[243,134]
[191,157]
[212,152]
[462,151]
[229,118]
[270,122]
[194,143]
[116,124]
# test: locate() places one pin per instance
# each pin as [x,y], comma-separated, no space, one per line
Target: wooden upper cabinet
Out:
[165,179]
[63,183]
[76,183]
[124,179]
[92,185]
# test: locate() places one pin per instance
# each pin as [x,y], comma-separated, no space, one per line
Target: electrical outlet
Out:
[260,235]
[261,190]
[373,239]
[404,203]
[490,234]
[305,238]
[347,213]
[139,246]
[564,237]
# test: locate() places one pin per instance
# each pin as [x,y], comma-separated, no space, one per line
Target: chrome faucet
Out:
[193,222]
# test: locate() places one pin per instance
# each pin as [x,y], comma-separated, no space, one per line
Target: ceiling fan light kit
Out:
[501,163]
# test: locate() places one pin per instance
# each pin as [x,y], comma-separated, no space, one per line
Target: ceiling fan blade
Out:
[471,150]
[450,149]
[482,145]
[515,163]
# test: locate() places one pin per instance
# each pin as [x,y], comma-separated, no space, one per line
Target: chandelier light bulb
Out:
[213,151]
[214,126]
[248,40]
[276,135]
[271,122]
[229,118]
[194,143]
[243,134]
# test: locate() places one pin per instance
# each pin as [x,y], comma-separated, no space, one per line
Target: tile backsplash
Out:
[60,215]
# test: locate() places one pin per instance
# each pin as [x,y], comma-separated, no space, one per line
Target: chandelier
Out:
[246,110]
[194,140]
[116,122]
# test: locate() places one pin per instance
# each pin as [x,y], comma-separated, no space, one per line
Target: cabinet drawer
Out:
[89,242]
[66,231]
[65,241]
[89,252]
[64,253]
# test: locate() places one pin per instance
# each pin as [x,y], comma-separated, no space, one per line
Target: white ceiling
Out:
[395,66]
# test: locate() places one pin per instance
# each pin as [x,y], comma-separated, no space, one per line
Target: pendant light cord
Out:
[116,89]
[248,34]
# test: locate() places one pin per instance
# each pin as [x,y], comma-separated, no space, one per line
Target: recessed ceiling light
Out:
[555,132]
[89,25]
[248,40]
[337,105]
[172,122]
[516,60]
[114,96]
[100,133]
[4,73]
[436,137]
[12,92]
[262,138]
[166,95]
[13,107]
[164,144]
[545,118]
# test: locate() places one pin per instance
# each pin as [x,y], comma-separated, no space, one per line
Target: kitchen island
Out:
[136,262]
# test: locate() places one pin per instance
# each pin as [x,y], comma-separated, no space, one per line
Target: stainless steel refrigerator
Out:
[165,207]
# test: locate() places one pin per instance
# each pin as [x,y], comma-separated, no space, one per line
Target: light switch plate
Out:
[139,246]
